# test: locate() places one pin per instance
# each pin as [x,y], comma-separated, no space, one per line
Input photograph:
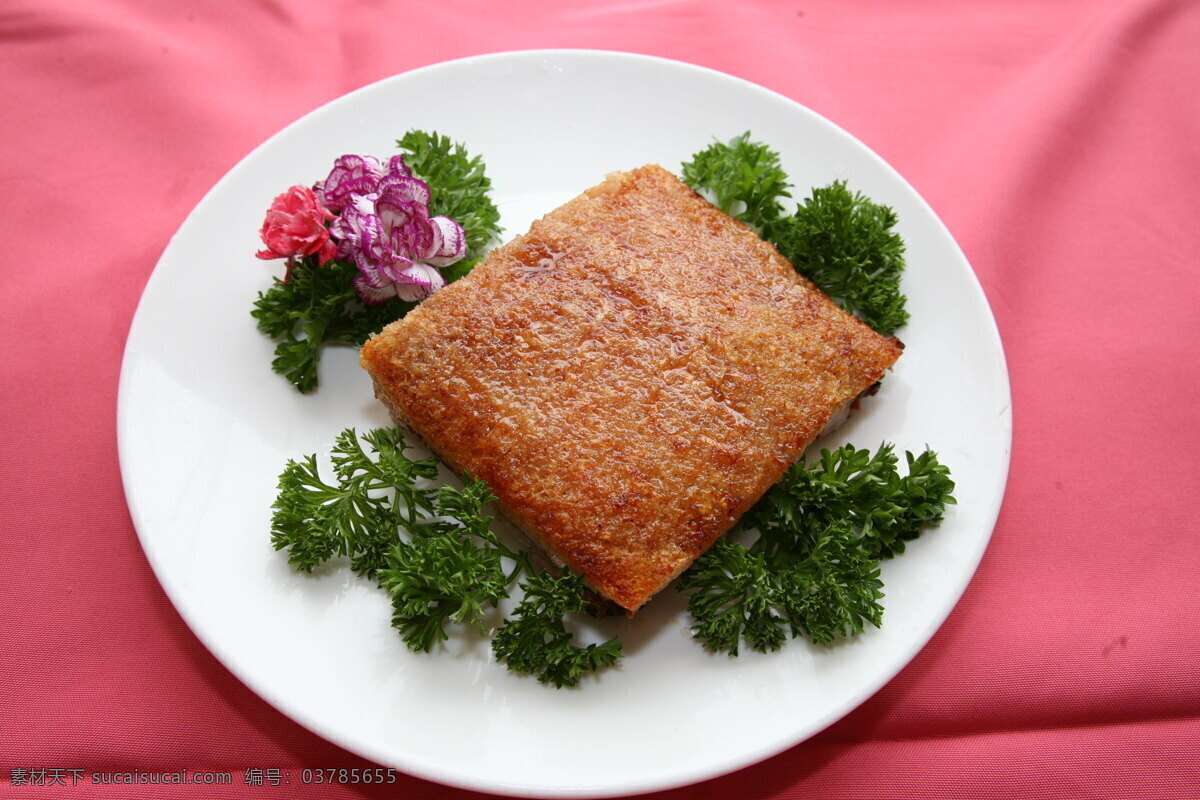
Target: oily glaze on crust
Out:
[629,377]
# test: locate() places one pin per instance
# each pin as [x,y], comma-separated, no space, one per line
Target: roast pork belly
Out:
[629,377]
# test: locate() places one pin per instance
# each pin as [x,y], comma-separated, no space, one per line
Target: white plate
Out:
[205,428]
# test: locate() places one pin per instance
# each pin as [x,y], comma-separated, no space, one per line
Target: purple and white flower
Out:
[386,229]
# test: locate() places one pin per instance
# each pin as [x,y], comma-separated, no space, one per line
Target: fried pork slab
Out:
[629,377]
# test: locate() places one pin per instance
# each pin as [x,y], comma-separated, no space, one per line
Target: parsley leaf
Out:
[743,178]
[845,244]
[833,590]
[814,568]
[434,582]
[316,520]
[536,640]
[854,488]
[733,595]
[432,550]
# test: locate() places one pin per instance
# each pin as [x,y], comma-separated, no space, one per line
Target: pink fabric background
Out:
[1059,141]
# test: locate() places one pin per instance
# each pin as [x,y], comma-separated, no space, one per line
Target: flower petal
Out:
[396,166]
[453,244]
[421,281]
[406,227]
[327,251]
[363,238]
[376,274]
[433,242]
[373,295]
[404,189]
[396,270]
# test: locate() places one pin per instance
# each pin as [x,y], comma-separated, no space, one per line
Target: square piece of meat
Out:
[629,377]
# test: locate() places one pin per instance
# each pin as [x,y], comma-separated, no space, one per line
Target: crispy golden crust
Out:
[629,377]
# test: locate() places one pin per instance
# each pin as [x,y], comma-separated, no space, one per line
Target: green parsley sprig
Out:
[433,551]
[316,520]
[743,179]
[844,243]
[536,640]
[814,568]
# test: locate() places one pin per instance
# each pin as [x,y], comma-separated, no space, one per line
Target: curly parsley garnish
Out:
[535,639]
[433,551]
[845,244]
[743,179]
[814,568]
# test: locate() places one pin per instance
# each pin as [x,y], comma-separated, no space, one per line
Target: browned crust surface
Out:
[629,377]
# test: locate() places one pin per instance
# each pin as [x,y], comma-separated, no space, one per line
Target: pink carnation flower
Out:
[295,226]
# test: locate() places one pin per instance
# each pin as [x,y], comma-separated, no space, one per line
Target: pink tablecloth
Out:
[1060,142]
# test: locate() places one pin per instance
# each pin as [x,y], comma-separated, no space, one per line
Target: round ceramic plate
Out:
[205,428]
